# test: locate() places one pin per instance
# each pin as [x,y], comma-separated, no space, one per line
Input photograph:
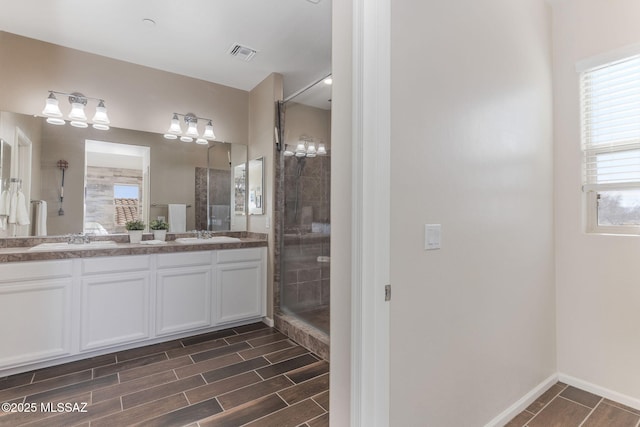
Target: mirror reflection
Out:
[239,182]
[256,186]
[83,180]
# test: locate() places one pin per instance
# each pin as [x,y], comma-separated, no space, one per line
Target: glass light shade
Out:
[170,136]
[55,121]
[287,152]
[208,131]
[192,130]
[51,107]
[101,115]
[78,124]
[311,149]
[100,126]
[77,112]
[175,126]
[186,139]
[201,141]
[322,151]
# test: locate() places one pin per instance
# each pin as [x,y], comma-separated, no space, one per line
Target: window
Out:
[610,104]
[126,202]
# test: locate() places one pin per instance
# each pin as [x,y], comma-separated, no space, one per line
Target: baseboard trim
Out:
[601,391]
[526,400]
[268,321]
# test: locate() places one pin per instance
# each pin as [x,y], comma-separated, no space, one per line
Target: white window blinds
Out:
[610,96]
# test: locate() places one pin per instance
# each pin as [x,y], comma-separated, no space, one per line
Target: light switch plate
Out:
[432,236]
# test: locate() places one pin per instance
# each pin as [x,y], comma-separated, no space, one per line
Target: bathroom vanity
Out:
[61,306]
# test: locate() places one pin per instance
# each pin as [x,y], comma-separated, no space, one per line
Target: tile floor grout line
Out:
[623,409]
[548,403]
[590,412]
[581,404]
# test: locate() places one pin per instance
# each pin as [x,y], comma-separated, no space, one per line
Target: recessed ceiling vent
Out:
[242,52]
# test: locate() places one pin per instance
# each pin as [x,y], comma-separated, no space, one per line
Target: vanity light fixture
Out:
[191,120]
[306,147]
[77,115]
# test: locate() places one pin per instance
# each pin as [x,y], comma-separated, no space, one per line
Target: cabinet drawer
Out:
[116,264]
[33,270]
[184,259]
[239,255]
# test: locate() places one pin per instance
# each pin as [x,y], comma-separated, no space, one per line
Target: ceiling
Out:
[189,37]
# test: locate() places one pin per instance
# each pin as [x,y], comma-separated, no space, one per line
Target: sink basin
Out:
[215,239]
[103,244]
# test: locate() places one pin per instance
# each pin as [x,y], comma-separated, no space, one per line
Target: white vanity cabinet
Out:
[240,290]
[115,301]
[35,311]
[62,310]
[183,292]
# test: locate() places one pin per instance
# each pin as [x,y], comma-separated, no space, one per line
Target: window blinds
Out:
[610,97]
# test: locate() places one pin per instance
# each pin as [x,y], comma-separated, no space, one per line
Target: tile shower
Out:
[303,227]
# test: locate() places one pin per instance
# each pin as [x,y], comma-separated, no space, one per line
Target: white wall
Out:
[598,290]
[262,110]
[472,324]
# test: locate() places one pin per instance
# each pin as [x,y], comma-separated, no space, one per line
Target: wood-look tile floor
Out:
[246,376]
[567,406]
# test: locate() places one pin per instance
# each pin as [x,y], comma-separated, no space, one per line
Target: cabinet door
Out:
[115,309]
[183,299]
[35,321]
[239,291]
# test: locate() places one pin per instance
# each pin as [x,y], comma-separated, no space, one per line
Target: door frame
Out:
[370,226]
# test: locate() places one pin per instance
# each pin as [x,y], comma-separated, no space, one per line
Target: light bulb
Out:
[311,150]
[175,125]
[192,130]
[101,115]
[208,131]
[287,151]
[51,107]
[301,151]
[55,121]
[77,112]
[78,124]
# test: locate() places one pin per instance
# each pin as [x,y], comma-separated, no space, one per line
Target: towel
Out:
[177,218]
[40,221]
[5,199]
[22,211]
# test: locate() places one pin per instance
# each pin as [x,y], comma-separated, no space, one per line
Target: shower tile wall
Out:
[306,237]
[313,193]
[220,197]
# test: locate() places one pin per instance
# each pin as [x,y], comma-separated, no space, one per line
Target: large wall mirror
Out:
[114,175]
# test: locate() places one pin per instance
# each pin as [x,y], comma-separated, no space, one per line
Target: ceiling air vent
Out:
[242,52]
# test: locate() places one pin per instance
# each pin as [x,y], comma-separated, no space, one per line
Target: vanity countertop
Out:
[22,250]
